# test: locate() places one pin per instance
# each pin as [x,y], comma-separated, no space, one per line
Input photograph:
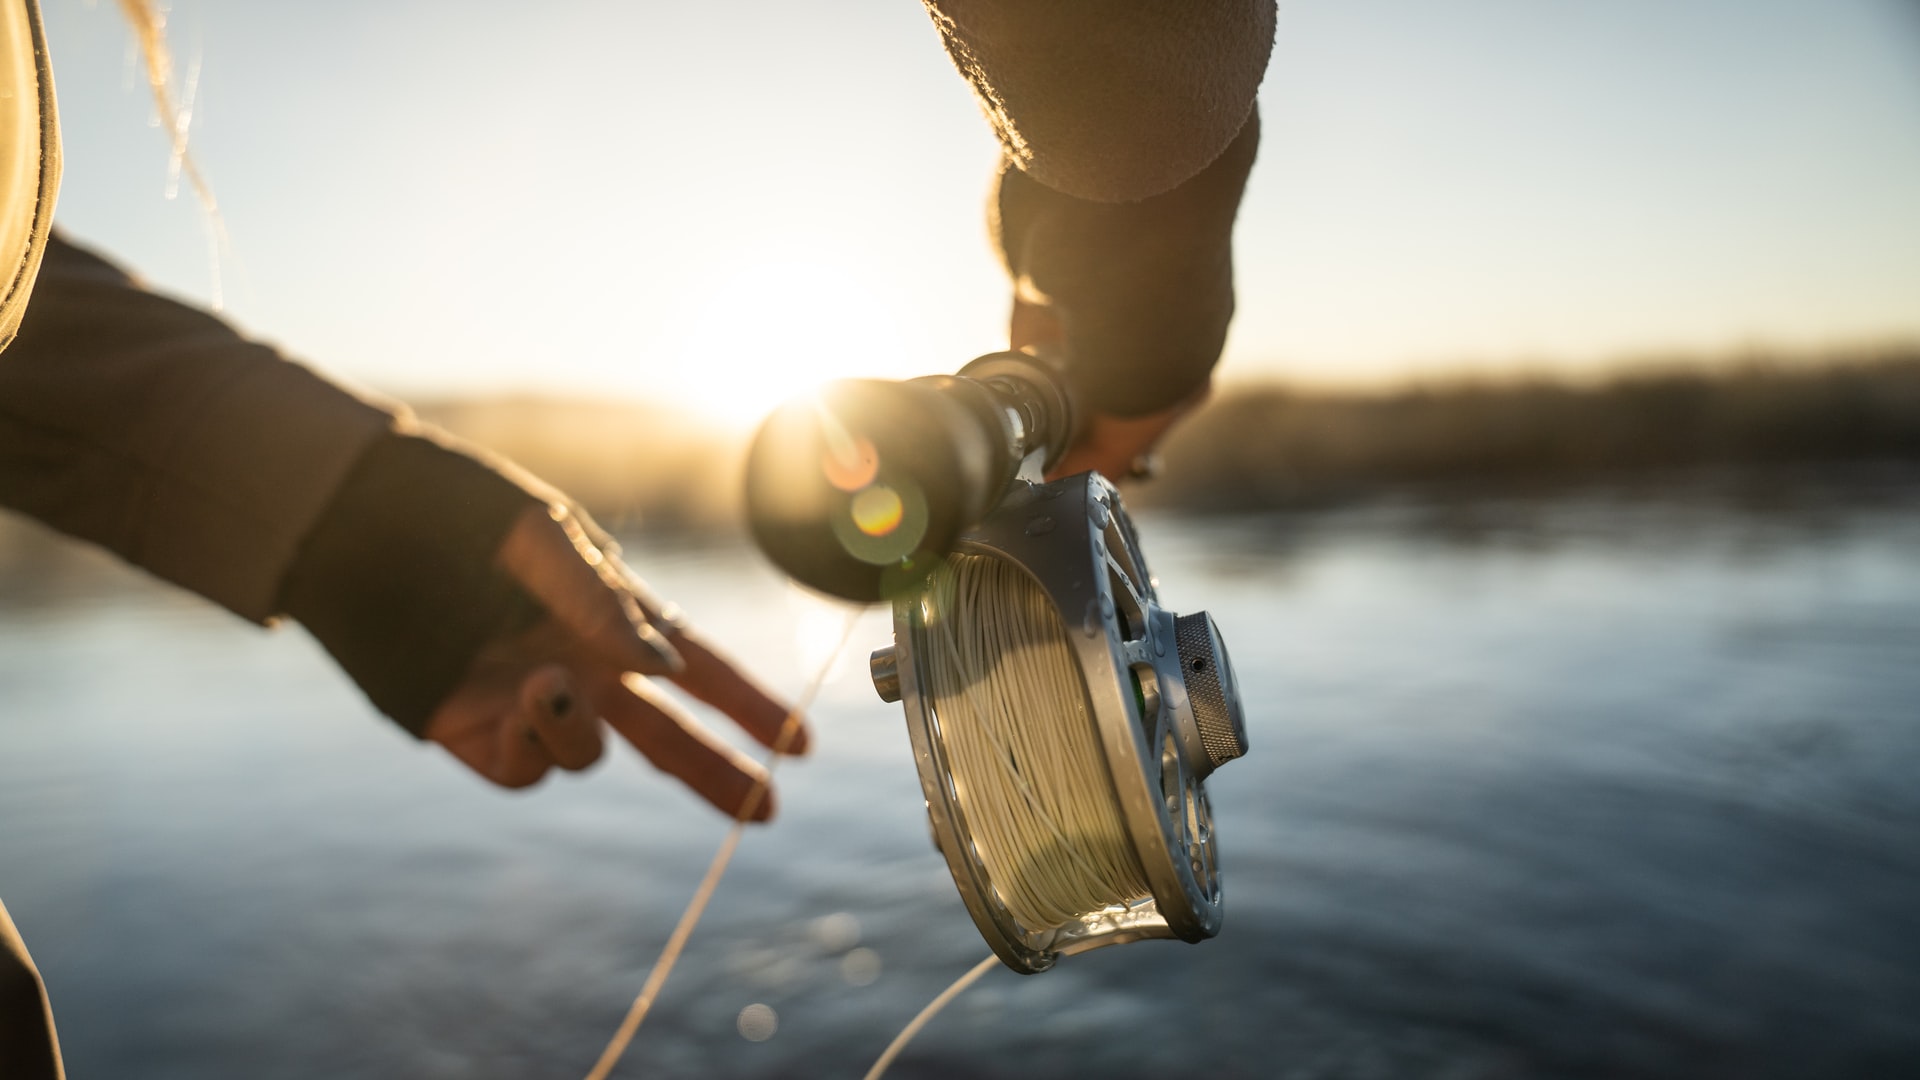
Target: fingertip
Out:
[795,739]
[757,803]
[766,808]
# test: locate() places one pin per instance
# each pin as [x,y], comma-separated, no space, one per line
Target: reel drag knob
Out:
[1213,721]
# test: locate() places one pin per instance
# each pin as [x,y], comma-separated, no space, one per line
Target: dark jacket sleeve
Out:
[1110,100]
[158,432]
[1143,290]
[1129,130]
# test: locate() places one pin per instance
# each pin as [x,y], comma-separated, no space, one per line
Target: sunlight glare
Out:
[817,623]
[778,327]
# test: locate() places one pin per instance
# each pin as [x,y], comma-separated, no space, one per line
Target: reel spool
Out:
[1063,722]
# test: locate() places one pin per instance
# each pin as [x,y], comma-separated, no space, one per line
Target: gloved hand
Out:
[482,612]
[1135,296]
[545,695]
[1118,447]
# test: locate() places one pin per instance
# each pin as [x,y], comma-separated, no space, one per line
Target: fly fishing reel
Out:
[1062,720]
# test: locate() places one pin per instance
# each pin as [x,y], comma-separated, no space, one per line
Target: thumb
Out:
[550,555]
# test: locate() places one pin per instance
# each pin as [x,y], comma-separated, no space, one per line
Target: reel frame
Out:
[1073,537]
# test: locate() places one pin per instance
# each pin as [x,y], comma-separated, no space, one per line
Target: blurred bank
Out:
[1754,428]
[1750,424]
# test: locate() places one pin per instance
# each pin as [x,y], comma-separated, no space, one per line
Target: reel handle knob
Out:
[1212,690]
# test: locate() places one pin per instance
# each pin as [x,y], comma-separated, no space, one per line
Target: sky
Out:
[717,206]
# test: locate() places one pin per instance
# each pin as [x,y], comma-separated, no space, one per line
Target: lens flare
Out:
[878,510]
[850,464]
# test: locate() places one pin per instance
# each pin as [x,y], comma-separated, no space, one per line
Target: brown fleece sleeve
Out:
[1143,290]
[1110,100]
[157,431]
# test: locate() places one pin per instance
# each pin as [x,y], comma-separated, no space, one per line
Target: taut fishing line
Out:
[683,929]
[932,1010]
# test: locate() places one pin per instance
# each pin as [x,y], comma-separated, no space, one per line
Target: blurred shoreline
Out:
[1750,424]
[1750,428]
[1787,434]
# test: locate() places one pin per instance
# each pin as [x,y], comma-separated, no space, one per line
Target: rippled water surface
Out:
[1585,788]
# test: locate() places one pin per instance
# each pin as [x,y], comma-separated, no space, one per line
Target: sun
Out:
[778,327]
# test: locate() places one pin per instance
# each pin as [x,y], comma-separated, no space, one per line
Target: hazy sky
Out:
[724,203]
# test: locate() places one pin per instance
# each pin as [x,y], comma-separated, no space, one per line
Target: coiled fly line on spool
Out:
[1024,757]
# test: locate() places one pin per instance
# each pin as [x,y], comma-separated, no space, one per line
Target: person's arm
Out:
[1110,100]
[1129,130]
[156,431]
[1140,292]
[444,583]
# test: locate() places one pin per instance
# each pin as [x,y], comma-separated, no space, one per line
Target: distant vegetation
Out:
[1274,446]
[632,465]
[1271,446]
[1278,446]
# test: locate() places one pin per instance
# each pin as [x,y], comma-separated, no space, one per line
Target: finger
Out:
[713,678]
[1113,444]
[549,554]
[677,744]
[556,715]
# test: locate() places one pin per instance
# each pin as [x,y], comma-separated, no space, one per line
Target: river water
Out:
[1588,787]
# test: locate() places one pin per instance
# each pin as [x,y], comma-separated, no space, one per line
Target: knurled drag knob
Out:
[1211,687]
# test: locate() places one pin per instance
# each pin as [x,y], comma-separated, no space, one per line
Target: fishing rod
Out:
[1063,721]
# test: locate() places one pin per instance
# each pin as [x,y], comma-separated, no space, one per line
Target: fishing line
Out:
[933,1008]
[1022,752]
[670,953]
